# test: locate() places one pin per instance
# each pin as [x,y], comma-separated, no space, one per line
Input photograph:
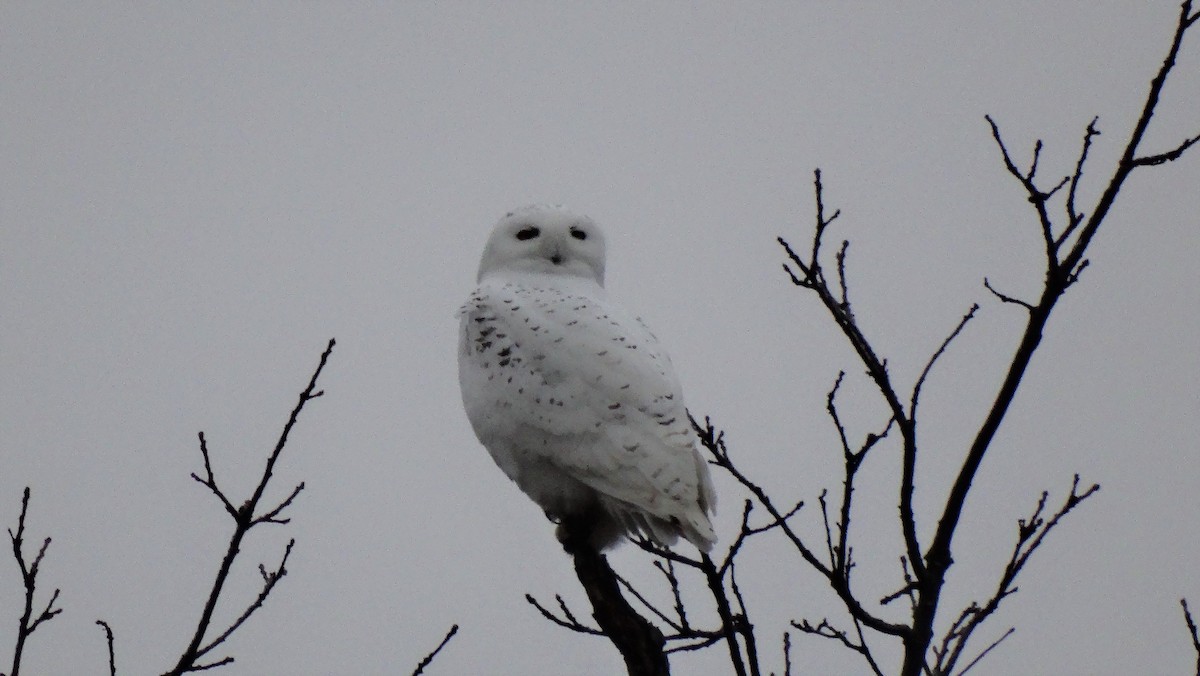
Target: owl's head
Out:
[545,239]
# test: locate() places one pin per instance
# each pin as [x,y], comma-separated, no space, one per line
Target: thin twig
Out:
[1005,298]
[916,394]
[569,623]
[991,646]
[429,658]
[1074,218]
[112,655]
[1191,625]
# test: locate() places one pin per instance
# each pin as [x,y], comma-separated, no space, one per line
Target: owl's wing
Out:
[594,379]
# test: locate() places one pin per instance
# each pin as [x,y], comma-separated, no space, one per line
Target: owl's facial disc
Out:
[545,240]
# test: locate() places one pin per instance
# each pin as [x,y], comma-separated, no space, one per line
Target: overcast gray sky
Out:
[194,197]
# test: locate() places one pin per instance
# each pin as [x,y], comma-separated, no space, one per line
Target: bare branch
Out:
[568,623]
[212,665]
[273,515]
[700,640]
[29,573]
[1169,156]
[839,311]
[826,630]
[429,658]
[677,626]
[822,222]
[833,558]
[1074,218]
[1129,158]
[210,481]
[1037,197]
[112,656]
[270,579]
[1006,299]
[244,520]
[910,586]
[981,655]
[742,618]
[1031,533]
[916,395]
[1061,272]
[714,442]
[729,624]
[1191,625]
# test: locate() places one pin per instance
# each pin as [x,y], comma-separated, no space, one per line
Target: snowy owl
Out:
[573,397]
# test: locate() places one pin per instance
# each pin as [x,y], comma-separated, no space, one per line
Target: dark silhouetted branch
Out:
[245,518]
[29,571]
[429,658]
[826,630]
[1031,533]
[641,643]
[567,621]
[1062,270]
[112,654]
[1004,298]
[713,441]
[984,653]
[1191,625]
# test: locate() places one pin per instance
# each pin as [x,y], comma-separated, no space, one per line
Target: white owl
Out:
[573,397]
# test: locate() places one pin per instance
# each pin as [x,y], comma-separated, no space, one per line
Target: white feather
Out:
[574,398]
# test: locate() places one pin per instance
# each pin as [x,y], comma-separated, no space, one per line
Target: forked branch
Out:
[1031,533]
[245,517]
[29,621]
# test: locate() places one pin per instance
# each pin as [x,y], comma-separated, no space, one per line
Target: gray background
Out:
[195,197]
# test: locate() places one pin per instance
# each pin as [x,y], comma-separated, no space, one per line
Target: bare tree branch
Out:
[112,655]
[826,630]
[1169,156]
[273,515]
[1004,298]
[429,658]
[1074,218]
[1031,533]
[567,621]
[985,651]
[714,442]
[270,579]
[1191,625]
[29,572]
[1061,272]
[244,519]
[916,393]
[641,643]
[210,481]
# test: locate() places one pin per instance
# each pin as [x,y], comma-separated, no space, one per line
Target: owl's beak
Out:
[552,250]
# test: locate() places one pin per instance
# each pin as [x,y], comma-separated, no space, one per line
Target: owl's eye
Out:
[578,234]
[528,232]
